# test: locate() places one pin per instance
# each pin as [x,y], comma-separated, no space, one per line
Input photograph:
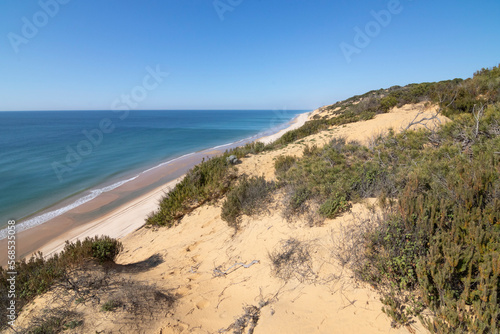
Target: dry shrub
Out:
[53,320]
[292,259]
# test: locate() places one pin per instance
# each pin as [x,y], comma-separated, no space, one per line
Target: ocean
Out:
[47,157]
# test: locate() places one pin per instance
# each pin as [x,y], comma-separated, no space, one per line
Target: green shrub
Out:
[53,322]
[37,275]
[335,206]
[388,102]
[258,147]
[106,249]
[111,305]
[310,150]
[249,197]
[207,181]
[299,196]
[309,128]
[439,246]
[283,163]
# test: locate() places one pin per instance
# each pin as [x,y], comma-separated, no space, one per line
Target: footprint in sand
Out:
[183,290]
[192,246]
[192,277]
[202,304]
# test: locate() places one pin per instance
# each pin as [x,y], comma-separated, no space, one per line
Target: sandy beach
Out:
[86,220]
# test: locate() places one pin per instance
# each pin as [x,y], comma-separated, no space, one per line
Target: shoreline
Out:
[84,196]
[86,220]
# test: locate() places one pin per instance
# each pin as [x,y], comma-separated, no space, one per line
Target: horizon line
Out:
[211,109]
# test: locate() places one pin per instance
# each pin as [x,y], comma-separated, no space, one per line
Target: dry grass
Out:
[292,259]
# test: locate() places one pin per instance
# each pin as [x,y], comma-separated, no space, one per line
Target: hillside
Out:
[388,202]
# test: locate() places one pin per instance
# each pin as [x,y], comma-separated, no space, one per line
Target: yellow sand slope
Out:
[220,276]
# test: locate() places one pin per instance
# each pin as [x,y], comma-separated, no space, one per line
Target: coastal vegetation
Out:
[206,182]
[83,274]
[435,246]
[249,197]
[38,275]
[431,245]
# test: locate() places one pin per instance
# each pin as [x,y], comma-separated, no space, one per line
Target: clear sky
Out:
[233,54]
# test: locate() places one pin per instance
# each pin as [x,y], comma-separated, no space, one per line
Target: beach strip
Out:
[50,237]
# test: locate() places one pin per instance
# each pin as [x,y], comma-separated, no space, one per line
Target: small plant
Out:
[73,324]
[106,249]
[388,102]
[248,197]
[38,274]
[53,321]
[111,305]
[292,259]
[283,163]
[335,206]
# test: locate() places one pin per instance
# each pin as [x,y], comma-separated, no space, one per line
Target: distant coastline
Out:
[51,226]
[91,192]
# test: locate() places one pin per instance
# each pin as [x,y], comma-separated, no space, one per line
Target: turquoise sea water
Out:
[47,156]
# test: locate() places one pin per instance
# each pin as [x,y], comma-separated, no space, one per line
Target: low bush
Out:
[332,177]
[54,321]
[106,249]
[292,259]
[335,205]
[249,197]
[309,128]
[111,305]
[388,102]
[283,163]
[207,181]
[37,275]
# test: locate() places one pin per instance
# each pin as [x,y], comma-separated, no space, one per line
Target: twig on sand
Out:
[218,272]
[424,120]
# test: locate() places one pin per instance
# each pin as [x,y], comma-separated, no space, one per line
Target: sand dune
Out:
[220,276]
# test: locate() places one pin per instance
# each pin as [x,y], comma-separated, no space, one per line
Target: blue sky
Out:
[233,54]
